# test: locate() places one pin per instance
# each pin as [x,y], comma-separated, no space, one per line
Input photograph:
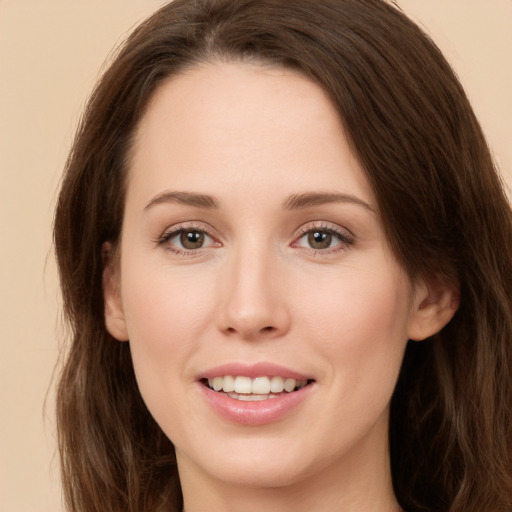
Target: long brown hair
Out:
[443,207]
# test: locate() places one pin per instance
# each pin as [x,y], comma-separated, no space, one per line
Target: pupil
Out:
[192,239]
[319,239]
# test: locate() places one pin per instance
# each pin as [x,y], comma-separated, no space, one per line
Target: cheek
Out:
[360,327]
[166,313]
[164,303]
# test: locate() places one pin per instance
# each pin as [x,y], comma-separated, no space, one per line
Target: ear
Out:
[114,314]
[434,305]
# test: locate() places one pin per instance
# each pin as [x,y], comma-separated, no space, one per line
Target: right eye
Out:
[190,239]
[183,240]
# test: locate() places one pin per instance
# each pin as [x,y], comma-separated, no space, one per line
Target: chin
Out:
[255,474]
[257,463]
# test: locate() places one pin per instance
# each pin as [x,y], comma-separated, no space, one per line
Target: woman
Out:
[285,256]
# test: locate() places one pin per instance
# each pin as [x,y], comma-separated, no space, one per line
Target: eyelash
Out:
[169,235]
[345,239]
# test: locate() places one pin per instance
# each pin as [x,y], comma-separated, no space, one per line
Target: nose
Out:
[253,303]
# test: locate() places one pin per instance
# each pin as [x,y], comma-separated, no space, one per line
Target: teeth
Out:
[228,384]
[251,398]
[277,384]
[242,385]
[218,383]
[289,385]
[261,386]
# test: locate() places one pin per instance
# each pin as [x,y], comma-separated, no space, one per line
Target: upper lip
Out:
[261,369]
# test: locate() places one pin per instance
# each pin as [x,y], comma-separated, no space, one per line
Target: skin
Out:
[250,137]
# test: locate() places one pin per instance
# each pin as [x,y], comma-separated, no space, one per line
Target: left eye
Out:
[321,239]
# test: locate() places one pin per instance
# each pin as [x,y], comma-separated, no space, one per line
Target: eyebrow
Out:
[187,198]
[311,199]
[294,202]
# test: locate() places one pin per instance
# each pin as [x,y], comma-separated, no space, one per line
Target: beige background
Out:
[51,52]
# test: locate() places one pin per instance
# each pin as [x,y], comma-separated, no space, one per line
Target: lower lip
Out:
[258,412]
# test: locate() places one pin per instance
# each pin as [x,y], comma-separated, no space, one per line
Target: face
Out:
[253,261]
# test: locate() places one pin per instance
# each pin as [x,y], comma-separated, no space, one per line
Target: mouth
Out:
[255,394]
[249,389]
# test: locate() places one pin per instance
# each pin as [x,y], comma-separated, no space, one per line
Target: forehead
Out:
[220,123]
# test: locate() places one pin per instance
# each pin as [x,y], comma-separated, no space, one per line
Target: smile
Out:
[255,394]
[260,388]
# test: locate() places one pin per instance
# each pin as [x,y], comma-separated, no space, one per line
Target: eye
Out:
[324,239]
[186,239]
[191,239]
[319,239]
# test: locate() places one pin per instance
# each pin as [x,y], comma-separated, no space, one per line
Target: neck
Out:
[327,495]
